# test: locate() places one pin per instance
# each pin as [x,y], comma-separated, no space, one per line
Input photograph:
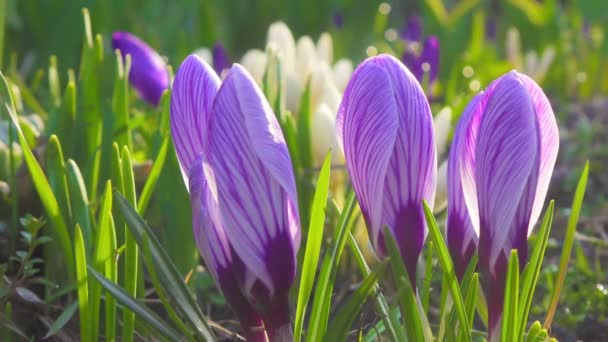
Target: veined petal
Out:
[256,187]
[460,232]
[194,89]
[386,128]
[549,144]
[507,162]
[367,126]
[214,247]
[148,73]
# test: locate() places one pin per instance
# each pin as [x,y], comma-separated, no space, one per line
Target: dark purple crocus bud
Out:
[412,30]
[491,29]
[220,58]
[148,74]
[338,19]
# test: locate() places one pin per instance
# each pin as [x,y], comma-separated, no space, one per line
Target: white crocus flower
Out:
[530,63]
[205,55]
[442,123]
[303,61]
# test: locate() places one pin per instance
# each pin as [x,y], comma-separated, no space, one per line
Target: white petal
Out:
[205,55]
[442,122]
[255,62]
[306,57]
[325,48]
[280,36]
[342,71]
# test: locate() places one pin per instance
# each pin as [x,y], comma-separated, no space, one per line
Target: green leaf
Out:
[469,303]
[407,297]
[534,332]
[169,278]
[320,309]
[45,192]
[532,270]
[120,101]
[62,320]
[313,245]
[131,254]
[132,304]
[82,286]
[345,317]
[577,203]
[447,266]
[510,322]
[152,179]
[79,203]
[104,261]
[392,325]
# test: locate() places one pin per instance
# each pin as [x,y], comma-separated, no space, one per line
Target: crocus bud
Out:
[242,187]
[504,152]
[430,57]
[412,30]
[220,58]
[255,62]
[385,127]
[281,38]
[148,74]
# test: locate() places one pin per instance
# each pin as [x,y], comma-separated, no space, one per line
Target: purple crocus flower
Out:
[386,130]
[244,202]
[412,30]
[338,19]
[220,58]
[424,63]
[148,74]
[505,149]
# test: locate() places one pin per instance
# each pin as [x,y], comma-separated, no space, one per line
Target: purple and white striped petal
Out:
[148,74]
[194,89]
[549,144]
[386,128]
[507,163]
[461,236]
[256,188]
[215,249]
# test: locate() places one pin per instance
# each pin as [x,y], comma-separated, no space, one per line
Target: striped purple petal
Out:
[194,89]
[507,163]
[462,239]
[214,248]
[549,144]
[256,190]
[148,74]
[386,129]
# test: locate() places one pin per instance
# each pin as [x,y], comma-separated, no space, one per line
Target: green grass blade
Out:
[313,245]
[510,320]
[532,270]
[407,297]
[131,254]
[152,179]
[447,266]
[55,170]
[104,261]
[79,203]
[82,286]
[47,197]
[3,9]
[325,283]
[392,326]
[132,304]
[120,102]
[469,302]
[345,317]
[577,203]
[62,320]
[169,277]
